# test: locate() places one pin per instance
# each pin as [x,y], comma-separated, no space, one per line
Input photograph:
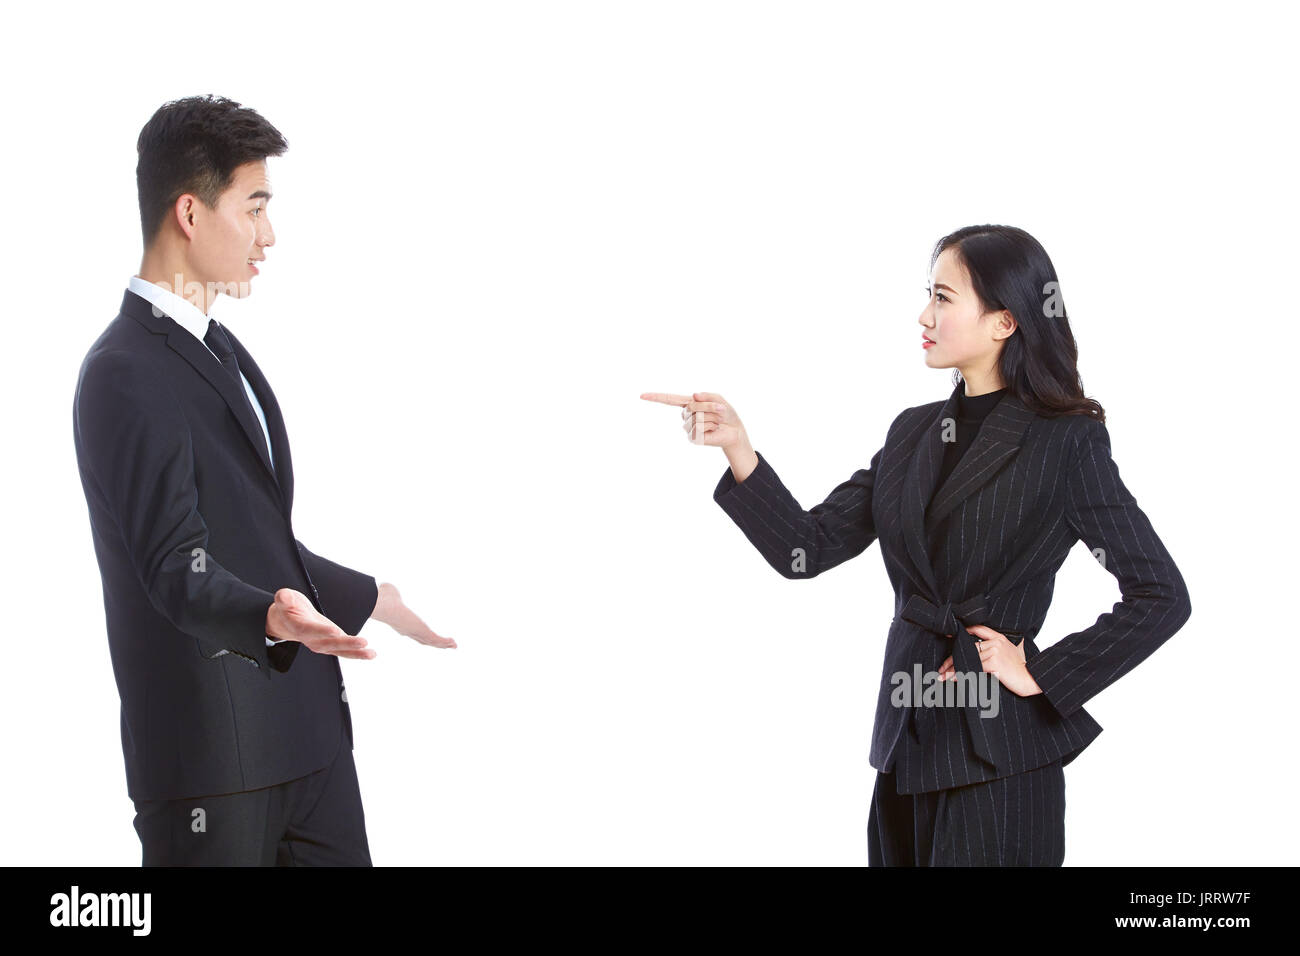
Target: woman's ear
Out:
[1004,325]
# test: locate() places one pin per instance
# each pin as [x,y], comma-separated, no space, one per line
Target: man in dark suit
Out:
[224,630]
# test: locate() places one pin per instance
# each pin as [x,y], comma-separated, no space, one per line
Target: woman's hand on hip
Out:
[1001,658]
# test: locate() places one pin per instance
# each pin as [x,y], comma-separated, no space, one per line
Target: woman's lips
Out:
[926,342]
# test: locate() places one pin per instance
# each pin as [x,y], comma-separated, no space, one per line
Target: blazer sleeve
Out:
[1155,602]
[135,444]
[347,597]
[800,544]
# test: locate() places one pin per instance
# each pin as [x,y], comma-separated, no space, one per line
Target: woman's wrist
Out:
[741,456]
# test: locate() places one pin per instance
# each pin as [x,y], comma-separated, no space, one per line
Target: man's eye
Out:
[256,210]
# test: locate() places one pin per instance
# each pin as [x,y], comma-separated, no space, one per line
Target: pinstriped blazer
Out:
[984,550]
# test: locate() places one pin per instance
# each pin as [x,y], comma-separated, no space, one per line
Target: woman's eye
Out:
[942,297]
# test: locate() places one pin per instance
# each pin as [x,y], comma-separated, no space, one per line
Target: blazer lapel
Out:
[207,365]
[922,473]
[999,438]
[283,470]
[996,443]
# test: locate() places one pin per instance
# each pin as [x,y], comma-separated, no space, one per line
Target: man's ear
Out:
[186,206]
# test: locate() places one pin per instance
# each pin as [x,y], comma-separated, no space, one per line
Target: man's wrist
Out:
[386,600]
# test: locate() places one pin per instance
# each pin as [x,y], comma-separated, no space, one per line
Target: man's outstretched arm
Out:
[135,448]
[392,610]
[350,597]
[347,597]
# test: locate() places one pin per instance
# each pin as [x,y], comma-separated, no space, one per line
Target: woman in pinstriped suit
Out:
[976,501]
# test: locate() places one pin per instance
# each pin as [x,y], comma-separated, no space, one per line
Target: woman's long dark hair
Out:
[1010,270]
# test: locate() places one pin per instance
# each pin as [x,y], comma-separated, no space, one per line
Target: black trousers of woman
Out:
[1017,820]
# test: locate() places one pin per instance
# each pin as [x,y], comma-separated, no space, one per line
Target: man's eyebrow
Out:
[261,194]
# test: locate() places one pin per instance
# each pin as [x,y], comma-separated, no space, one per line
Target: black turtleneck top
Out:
[971,412]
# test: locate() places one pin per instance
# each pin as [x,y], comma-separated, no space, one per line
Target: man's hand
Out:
[293,618]
[390,609]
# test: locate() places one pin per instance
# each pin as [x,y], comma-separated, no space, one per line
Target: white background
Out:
[498,224]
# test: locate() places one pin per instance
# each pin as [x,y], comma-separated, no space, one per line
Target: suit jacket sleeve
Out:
[137,447]
[1155,603]
[347,597]
[800,544]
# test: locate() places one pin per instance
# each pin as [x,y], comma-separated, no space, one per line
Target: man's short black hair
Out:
[194,145]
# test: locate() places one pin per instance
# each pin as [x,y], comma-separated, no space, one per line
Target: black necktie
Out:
[220,345]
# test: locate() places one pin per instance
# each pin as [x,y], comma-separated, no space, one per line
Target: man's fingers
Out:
[436,640]
[343,646]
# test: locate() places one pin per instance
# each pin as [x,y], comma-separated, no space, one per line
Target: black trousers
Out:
[1018,820]
[316,820]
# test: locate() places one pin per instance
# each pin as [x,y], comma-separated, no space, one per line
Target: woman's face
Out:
[963,336]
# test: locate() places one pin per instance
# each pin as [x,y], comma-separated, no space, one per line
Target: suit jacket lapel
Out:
[922,473]
[996,443]
[283,471]
[207,365]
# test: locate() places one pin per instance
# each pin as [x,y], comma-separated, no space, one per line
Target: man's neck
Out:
[172,275]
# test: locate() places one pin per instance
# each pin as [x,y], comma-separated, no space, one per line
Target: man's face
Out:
[238,230]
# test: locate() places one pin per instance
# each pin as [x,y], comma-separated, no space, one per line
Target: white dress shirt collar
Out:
[182,311]
[189,317]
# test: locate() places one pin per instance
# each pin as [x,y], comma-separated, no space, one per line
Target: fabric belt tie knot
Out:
[944,619]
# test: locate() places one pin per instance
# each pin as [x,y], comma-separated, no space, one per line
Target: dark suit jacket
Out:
[192,531]
[985,550]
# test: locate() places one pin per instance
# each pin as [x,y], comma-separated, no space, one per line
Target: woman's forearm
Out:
[742,457]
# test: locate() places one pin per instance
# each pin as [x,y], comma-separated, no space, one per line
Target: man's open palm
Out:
[293,618]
